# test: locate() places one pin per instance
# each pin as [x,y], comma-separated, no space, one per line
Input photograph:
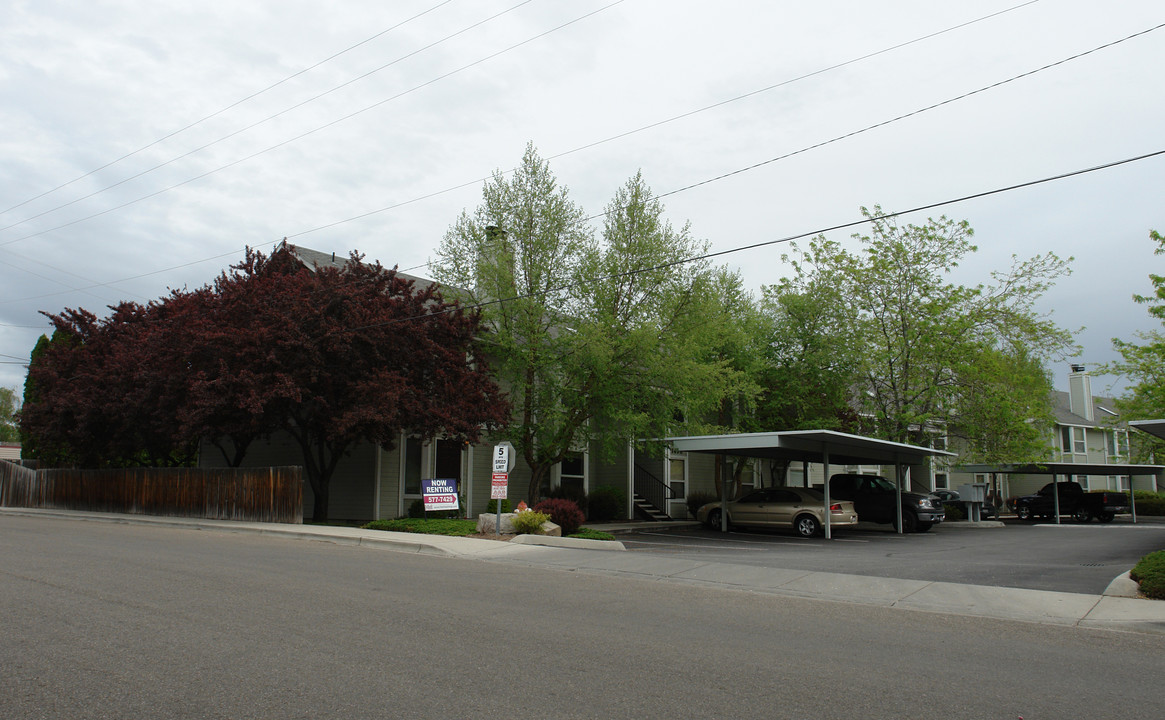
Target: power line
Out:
[780,240]
[319,128]
[228,107]
[266,119]
[693,185]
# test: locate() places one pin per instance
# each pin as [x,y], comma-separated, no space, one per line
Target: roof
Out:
[1152,427]
[807,446]
[1062,468]
[338,260]
[1103,410]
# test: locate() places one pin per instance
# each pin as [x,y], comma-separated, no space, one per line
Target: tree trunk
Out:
[538,475]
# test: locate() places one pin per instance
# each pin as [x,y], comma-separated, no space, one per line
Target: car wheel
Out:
[1024,513]
[807,526]
[714,519]
[1105,517]
[909,522]
[1081,515]
[923,527]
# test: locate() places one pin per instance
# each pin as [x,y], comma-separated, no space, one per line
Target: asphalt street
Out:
[125,620]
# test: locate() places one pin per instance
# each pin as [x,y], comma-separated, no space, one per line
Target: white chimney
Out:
[1080,393]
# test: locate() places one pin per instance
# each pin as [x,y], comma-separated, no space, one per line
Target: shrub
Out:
[529,522]
[563,513]
[698,500]
[1150,573]
[591,534]
[578,495]
[492,508]
[606,503]
[953,511]
[1150,503]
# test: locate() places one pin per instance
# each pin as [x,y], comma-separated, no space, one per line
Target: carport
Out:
[1052,469]
[810,446]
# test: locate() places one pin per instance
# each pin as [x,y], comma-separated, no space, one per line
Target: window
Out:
[412,466]
[1083,480]
[572,472]
[1072,440]
[941,482]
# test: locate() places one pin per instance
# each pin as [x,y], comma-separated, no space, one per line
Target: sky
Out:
[144,145]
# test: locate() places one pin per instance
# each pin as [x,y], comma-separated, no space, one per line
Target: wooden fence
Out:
[255,494]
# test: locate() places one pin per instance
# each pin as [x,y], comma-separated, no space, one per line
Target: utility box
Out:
[973,496]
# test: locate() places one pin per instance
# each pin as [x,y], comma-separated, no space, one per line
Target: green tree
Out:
[928,352]
[596,341]
[9,406]
[1143,365]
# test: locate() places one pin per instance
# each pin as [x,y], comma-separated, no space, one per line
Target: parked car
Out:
[952,497]
[1081,506]
[802,509]
[875,499]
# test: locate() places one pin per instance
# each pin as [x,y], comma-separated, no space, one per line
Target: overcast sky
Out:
[143,145]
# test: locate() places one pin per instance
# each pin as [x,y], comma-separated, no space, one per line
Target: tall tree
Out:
[9,406]
[597,342]
[926,348]
[335,357]
[1142,363]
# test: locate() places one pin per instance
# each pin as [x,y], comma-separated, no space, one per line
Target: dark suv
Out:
[874,497]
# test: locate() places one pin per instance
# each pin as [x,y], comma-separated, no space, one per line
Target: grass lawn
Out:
[458,528]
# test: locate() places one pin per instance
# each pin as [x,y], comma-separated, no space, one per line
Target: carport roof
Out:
[1062,468]
[1153,427]
[808,446]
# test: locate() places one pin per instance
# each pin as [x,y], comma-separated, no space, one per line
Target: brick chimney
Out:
[1080,393]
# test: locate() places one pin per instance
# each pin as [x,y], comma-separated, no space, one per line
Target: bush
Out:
[563,513]
[953,511]
[492,508]
[529,522]
[460,528]
[698,500]
[1149,503]
[606,503]
[578,495]
[1150,573]
[591,534]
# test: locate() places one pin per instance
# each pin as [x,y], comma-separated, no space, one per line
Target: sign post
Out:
[499,482]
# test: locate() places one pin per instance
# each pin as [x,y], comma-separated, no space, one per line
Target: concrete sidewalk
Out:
[1117,609]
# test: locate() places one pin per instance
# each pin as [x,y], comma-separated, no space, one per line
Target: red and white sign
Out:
[499,486]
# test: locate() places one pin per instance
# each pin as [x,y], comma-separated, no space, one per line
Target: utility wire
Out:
[228,107]
[268,118]
[681,189]
[719,177]
[766,243]
[321,127]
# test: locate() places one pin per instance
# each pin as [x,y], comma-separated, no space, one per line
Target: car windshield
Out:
[881,483]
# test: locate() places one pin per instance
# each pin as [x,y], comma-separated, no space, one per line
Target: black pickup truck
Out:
[1081,506]
[874,499]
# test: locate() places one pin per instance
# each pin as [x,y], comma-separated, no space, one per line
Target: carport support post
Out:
[723,503]
[825,463]
[898,493]
[1056,496]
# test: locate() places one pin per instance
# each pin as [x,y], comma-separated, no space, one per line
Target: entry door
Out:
[677,480]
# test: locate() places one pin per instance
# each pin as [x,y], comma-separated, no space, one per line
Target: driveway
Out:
[1065,558]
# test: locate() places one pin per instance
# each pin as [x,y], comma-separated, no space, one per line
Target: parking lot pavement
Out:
[1063,558]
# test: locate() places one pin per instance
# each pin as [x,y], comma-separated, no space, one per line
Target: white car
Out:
[802,509]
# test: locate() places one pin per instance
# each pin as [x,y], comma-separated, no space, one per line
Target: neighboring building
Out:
[9,451]
[1088,431]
